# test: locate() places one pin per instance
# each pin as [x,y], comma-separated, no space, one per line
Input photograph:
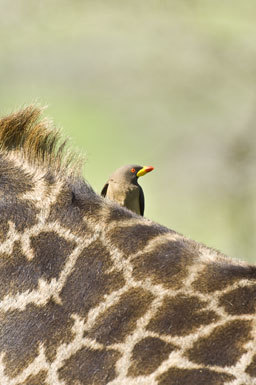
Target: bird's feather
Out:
[104,190]
[142,201]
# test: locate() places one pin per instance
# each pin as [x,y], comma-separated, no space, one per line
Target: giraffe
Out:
[91,293]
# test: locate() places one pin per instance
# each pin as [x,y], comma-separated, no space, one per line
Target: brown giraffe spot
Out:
[120,319]
[39,379]
[219,276]
[50,178]
[147,355]
[251,369]
[131,239]
[224,346]
[181,316]
[21,333]
[74,202]
[21,213]
[18,274]
[51,252]
[89,367]
[176,376]
[90,280]
[13,180]
[119,214]
[167,265]
[240,301]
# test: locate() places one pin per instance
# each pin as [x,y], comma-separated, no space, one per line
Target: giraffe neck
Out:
[92,293]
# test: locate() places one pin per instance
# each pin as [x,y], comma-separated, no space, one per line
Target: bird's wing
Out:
[142,201]
[104,190]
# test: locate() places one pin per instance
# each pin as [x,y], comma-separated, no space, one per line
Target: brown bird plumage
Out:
[123,187]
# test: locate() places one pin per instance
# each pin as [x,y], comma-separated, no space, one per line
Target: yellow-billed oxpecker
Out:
[123,187]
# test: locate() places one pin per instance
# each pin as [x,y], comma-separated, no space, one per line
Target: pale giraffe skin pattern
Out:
[92,294]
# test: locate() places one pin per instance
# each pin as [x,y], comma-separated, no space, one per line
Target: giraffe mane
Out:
[39,141]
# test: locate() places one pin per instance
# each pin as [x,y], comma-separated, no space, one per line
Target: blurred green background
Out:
[165,83]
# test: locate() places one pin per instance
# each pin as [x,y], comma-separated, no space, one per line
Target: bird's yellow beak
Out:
[144,170]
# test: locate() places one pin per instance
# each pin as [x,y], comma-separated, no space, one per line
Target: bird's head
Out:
[131,173]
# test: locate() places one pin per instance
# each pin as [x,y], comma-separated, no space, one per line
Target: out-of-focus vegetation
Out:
[164,83]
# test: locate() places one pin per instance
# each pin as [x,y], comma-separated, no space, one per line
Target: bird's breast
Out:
[127,196]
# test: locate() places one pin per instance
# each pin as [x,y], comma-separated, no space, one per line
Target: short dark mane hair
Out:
[38,141]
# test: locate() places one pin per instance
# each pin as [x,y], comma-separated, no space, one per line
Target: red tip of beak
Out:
[148,169]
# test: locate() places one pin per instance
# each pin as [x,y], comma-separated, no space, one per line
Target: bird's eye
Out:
[133,170]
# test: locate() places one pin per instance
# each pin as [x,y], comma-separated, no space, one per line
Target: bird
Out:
[123,187]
